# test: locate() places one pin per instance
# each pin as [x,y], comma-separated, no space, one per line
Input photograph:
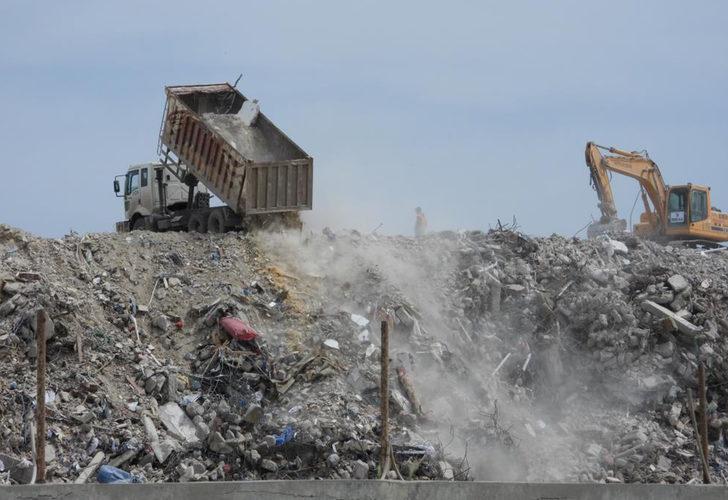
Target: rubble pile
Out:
[185,357]
[603,338]
[545,359]
[180,357]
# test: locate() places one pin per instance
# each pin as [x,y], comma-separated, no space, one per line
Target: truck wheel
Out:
[139,224]
[197,224]
[216,222]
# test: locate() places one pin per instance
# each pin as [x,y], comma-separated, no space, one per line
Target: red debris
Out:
[179,324]
[237,329]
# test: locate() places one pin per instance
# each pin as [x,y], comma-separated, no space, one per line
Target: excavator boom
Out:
[632,164]
[600,182]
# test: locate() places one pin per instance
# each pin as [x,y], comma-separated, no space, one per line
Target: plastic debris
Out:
[285,436]
[237,329]
[359,320]
[331,344]
[112,475]
[50,396]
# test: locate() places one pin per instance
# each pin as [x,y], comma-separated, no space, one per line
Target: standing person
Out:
[420,223]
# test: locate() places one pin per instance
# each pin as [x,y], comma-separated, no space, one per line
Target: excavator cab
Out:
[688,211]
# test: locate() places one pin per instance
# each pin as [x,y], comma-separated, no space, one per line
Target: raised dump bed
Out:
[254,169]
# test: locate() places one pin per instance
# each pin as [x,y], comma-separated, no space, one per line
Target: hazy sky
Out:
[473,110]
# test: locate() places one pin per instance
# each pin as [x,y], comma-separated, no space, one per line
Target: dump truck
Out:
[214,141]
[672,213]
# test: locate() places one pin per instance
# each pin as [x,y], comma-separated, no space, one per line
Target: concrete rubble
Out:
[512,358]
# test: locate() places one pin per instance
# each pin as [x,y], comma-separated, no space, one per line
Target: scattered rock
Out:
[268,465]
[360,470]
[678,283]
[217,443]
[253,414]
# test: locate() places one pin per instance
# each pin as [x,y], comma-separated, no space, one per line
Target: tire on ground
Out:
[197,223]
[216,222]
[139,224]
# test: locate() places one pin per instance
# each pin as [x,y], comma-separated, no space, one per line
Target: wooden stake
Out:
[384,397]
[40,409]
[703,411]
[703,461]
[79,347]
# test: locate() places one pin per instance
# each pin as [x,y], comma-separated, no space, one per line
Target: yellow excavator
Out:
[671,212]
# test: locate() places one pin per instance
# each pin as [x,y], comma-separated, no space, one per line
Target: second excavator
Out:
[671,212]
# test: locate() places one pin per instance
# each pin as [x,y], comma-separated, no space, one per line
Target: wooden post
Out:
[384,396]
[703,461]
[40,408]
[703,411]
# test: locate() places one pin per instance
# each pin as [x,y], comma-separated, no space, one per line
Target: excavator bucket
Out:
[608,227]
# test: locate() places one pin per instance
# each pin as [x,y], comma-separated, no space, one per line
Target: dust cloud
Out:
[496,401]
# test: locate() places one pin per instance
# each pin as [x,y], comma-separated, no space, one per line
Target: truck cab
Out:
[150,191]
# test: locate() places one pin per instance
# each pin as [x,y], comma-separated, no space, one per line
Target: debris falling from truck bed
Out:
[512,358]
[253,142]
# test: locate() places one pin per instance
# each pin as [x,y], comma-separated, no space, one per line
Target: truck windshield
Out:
[698,205]
[676,206]
[132,181]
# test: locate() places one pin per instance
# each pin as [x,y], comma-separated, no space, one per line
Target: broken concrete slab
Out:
[678,283]
[654,382]
[90,468]
[21,470]
[216,442]
[50,329]
[446,470]
[360,469]
[618,247]
[123,458]
[682,324]
[178,423]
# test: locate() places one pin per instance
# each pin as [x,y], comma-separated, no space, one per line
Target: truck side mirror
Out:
[117,188]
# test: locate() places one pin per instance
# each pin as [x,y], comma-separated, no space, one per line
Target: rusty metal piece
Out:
[40,408]
[405,381]
[384,396]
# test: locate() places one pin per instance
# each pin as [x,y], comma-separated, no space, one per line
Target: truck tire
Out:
[216,222]
[139,224]
[197,223]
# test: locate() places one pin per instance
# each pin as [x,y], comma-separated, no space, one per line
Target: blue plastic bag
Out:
[111,475]
[286,436]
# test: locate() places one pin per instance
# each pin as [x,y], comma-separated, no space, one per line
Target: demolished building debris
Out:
[188,357]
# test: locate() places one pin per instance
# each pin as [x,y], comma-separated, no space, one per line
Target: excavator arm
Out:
[635,165]
[600,182]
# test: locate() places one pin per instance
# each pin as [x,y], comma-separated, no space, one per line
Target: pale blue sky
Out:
[473,110]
